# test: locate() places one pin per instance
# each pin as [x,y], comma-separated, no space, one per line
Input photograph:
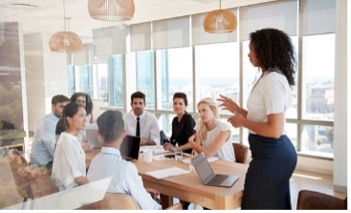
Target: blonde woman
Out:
[212,136]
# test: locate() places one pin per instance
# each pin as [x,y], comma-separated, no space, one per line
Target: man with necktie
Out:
[141,123]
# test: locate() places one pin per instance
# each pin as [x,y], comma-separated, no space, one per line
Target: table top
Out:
[189,187]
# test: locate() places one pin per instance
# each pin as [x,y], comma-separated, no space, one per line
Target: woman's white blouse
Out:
[226,152]
[270,95]
[69,162]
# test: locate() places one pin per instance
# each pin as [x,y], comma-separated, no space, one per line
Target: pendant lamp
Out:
[111,10]
[220,21]
[65,41]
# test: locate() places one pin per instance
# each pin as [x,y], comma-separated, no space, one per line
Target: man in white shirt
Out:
[149,131]
[44,139]
[109,163]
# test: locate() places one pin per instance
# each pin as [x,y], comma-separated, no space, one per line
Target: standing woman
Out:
[182,125]
[212,135]
[69,168]
[273,155]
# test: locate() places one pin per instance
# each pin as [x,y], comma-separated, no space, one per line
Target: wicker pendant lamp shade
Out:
[220,21]
[111,10]
[65,41]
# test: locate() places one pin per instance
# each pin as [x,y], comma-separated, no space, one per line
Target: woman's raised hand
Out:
[227,104]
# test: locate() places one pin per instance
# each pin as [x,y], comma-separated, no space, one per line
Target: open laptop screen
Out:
[202,166]
[130,147]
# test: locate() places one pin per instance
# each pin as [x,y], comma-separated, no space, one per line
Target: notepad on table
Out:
[164,173]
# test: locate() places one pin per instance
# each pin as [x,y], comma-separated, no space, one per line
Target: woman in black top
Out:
[182,125]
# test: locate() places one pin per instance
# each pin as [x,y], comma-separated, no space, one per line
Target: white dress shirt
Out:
[125,178]
[69,162]
[149,129]
[270,95]
[226,152]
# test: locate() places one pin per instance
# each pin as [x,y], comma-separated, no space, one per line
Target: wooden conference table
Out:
[189,187]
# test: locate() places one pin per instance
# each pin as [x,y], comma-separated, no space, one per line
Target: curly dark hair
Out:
[89,103]
[274,50]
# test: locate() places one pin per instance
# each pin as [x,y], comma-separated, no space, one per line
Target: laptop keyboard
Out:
[218,179]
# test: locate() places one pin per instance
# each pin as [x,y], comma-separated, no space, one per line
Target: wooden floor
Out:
[311,181]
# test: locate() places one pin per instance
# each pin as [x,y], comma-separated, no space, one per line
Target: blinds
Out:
[199,36]
[140,36]
[110,40]
[280,15]
[317,16]
[171,33]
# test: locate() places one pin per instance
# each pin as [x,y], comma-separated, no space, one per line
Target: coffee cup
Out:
[148,156]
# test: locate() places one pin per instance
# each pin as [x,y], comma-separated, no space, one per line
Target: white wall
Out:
[341,104]
[46,76]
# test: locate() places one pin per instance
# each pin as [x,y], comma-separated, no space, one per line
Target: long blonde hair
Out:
[202,128]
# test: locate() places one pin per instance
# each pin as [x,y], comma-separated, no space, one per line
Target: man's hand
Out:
[153,192]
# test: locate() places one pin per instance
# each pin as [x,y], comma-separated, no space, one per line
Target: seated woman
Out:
[109,163]
[69,168]
[85,100]
[182,125]
[212,135]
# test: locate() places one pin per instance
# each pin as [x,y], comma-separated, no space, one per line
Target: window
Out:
[100,81]
[145,70]
[175,75]
[116,80]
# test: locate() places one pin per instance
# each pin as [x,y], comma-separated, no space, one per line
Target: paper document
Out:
[156,149]
[164,173]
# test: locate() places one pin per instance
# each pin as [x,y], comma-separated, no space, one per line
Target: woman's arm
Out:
[230,105]
[81,180]
[273,128]
[215,146]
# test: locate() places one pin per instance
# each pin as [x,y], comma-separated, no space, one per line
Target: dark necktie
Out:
[138,127]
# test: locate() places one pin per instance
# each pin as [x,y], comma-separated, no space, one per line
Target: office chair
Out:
[20,171]
[241,153]
[119,201]
[41,183]
[310,200]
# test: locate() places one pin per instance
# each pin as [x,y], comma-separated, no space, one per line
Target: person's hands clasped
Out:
[228,104]
[169,147]
[236,120]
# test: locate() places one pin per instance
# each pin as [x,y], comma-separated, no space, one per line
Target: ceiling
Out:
[47,16]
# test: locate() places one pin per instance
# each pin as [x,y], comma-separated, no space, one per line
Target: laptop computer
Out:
[91,131]
[207,176]
[130,148]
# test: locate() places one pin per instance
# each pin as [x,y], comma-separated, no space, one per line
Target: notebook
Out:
[207,176]
[91,131]
[130,148]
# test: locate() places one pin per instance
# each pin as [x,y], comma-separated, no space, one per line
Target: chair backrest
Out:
[310,200]
[20,171]
[115,201]
[8,193]
[41,183]
[177,206]
[119,201]
[241,153]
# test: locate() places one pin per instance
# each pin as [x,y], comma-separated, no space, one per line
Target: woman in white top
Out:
[69,168]
[212,135]
[273,155]
[84,99]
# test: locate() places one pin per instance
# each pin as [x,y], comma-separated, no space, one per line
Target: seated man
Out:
[44,139]
[109,163]
[141,123]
